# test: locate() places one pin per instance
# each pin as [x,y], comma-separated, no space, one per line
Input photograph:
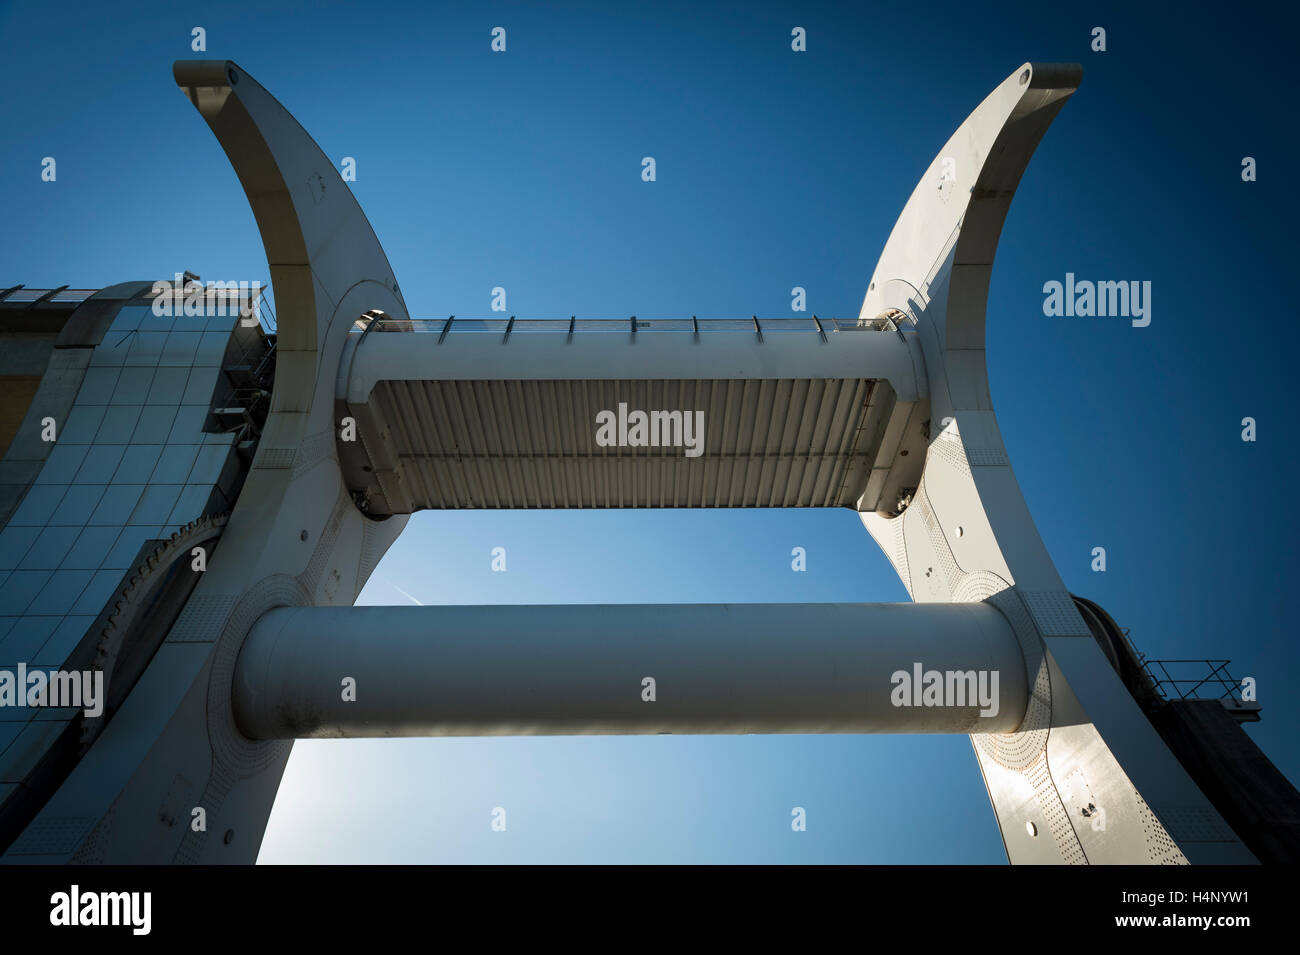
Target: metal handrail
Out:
[1188,688]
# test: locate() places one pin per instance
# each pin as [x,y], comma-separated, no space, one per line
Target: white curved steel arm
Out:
[961,531]
[308,218]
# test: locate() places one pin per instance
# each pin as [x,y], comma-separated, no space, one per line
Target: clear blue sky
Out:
[775,169]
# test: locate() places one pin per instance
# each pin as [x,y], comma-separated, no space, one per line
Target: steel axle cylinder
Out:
[623,669]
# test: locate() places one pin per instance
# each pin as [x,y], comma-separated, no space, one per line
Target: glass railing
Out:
[626,326]
[19,295]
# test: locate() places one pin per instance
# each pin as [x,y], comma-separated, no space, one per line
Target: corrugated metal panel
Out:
[532,444]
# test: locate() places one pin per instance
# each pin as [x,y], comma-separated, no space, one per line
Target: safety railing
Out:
[632,325]
[1194,680]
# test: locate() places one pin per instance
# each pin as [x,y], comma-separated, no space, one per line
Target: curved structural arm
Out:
[960,529]
[318,242]
[294,536]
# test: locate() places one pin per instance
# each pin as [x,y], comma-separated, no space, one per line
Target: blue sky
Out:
[775,169]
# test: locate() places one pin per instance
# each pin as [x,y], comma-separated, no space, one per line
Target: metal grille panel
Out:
[532,443]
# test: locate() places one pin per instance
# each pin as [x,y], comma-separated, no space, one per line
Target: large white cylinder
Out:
[618,669]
